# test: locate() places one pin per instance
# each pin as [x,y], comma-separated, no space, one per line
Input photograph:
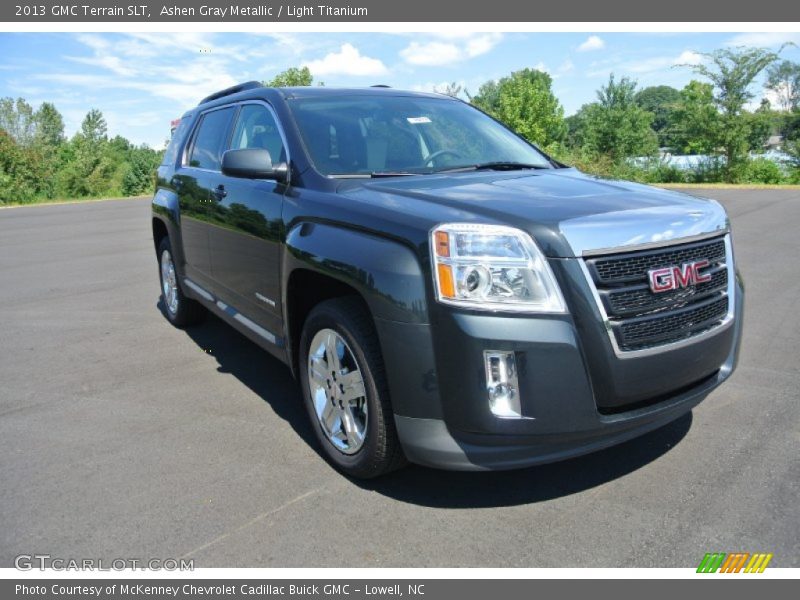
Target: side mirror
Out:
[253,163]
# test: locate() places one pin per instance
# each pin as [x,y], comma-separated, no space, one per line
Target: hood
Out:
[568,213]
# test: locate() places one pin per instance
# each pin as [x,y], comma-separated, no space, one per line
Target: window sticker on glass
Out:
[415,120]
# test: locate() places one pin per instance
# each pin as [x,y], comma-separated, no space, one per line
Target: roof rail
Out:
[250,85]
[381,85]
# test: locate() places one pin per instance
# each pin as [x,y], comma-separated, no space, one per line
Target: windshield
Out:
[368,135]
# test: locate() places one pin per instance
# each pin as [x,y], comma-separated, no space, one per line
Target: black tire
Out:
[380,451]
[186,311]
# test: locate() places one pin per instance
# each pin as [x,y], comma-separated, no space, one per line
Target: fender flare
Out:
[165,208]
[385,272]
[388,276]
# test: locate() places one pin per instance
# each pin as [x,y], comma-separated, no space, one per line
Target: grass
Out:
[729,186]
[54,201]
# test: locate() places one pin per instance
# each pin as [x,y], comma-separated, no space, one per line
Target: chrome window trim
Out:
[189,147]
[279,126]
[726,322]
[237,109]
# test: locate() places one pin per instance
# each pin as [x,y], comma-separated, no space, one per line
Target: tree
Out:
[525,102]
[488,96]
[90,172]
[49,126]
[695,122]
[292,77]
[783,80]
[142,163]
[450,89]
[616,126]
[94,127]
[661,101]
[19,178]
[16,119]
[732,71]
[761,124]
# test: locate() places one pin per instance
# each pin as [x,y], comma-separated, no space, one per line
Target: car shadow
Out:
[256,368]
[454,489]
[272,381]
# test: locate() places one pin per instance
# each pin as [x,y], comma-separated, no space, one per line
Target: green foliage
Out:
[759,170]
[525,102]
[615,126]
[783,79]
[695,123]
[36,162]
[293,77]
[16,119]
[49,126]
[19,178]
[760,125]
[139,175]
[731,71]
[661,101]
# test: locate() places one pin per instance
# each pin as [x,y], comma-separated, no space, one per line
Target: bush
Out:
[759,170]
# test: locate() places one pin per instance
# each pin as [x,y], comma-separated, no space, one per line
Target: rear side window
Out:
[211,138]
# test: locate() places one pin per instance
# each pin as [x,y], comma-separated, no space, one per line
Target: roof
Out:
[251,88]
[322,91]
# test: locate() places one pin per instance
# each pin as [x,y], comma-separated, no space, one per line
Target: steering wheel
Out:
[434,155]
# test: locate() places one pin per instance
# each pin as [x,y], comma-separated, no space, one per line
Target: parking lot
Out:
[124,437]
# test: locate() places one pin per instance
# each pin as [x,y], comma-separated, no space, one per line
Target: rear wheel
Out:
[345,391]
[180,310]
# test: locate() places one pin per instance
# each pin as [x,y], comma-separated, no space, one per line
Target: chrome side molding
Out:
[233,313]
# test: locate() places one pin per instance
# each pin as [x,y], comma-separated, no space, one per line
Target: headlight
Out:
[492,267]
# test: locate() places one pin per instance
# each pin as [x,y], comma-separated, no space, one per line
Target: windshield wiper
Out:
[499,165]
[393,174]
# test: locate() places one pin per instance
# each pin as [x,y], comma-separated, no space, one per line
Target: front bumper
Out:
[454,429]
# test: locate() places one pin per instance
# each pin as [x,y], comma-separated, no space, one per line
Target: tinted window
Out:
[211,139]
[353,135]
[256,128]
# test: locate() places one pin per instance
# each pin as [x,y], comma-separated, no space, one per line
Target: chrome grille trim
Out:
[726,321]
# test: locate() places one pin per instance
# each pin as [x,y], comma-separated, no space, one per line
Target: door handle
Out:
[219,192]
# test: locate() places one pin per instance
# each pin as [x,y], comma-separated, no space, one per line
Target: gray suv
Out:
[445,292]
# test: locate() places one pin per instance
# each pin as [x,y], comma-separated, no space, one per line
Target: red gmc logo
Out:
[672,278]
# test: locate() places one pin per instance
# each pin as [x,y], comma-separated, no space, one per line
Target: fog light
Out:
[502,384]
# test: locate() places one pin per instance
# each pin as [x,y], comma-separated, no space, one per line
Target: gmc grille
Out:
[640,319]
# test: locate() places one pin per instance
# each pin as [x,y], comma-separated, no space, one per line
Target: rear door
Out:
[196,181]
[246,234]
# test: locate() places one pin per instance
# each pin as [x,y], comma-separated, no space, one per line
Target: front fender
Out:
[389,278]
[386,274]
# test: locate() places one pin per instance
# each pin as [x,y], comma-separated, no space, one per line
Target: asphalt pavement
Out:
[122,437]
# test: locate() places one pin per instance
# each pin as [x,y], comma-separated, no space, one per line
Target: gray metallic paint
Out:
[372,235]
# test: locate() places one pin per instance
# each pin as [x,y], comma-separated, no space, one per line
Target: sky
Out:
[141,81]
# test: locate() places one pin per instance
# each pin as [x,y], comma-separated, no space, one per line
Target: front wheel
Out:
[345,391]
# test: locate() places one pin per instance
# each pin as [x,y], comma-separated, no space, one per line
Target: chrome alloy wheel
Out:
[337,391]
[169,282]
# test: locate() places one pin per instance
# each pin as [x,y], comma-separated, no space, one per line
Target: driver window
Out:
[256,128]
